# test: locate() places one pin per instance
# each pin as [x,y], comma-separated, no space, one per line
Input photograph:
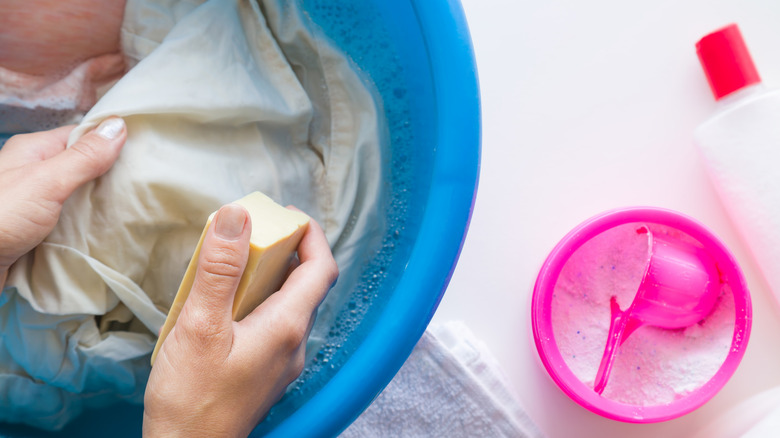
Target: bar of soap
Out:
[276,233]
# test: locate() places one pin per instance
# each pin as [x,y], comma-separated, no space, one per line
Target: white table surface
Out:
[588,106]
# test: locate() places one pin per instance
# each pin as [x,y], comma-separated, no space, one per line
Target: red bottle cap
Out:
[726,61]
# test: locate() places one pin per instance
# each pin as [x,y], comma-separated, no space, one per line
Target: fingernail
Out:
[230,221]
[111,128]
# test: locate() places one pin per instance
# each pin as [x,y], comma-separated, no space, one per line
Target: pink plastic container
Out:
[583,393]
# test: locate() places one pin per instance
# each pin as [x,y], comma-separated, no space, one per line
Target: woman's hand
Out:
[217,377]
[38,173]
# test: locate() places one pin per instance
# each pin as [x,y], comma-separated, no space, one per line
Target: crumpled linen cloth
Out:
[451,386]
[236,97]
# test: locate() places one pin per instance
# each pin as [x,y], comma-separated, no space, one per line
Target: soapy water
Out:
[356,28]
[41,118]
[654,366]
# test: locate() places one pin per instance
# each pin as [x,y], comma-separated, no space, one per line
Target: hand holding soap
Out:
[276,233]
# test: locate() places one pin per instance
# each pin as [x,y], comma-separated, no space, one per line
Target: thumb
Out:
[223,257]
[91,156]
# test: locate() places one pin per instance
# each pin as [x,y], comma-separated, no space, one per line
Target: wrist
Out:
[157,428]
[185,426]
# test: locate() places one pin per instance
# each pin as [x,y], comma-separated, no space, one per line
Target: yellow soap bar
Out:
[276,233]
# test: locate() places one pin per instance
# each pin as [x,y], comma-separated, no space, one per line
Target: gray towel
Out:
[451,386]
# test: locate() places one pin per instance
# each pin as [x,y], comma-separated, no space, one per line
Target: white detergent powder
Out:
[654,365]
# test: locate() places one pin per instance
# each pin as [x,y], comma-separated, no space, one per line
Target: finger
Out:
[293,266]
[310,327]
[23,149]
[221,264]
[91,156]
[55,142]
[308,284]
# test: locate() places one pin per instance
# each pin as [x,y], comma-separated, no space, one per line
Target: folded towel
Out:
[451,386]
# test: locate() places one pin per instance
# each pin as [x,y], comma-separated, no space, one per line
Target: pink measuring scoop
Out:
[679,288]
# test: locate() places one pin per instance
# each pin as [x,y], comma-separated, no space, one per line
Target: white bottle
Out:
[740,145]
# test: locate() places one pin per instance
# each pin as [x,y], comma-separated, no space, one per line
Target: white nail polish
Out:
[110,128]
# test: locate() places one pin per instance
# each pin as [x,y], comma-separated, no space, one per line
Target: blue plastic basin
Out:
[417,55]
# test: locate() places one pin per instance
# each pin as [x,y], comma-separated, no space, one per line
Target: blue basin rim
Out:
[444,224]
